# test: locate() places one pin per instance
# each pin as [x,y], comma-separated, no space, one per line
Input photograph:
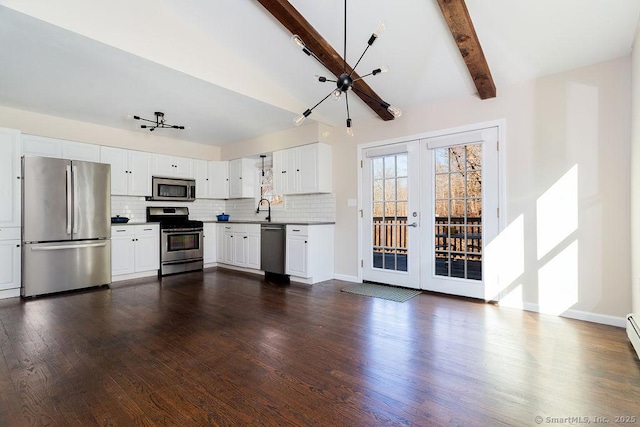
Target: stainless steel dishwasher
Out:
[272,248]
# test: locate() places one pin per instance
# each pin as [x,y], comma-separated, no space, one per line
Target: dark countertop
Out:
[274,222]
[132,223]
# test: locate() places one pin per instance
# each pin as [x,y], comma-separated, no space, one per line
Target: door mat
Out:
[382,291]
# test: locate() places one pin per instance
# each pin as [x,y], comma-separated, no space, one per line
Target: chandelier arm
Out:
[359,59]
[362,77]
[381,102]
[346,99]
[146,120]
[321,101]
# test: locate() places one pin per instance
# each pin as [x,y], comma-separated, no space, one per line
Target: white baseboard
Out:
[347,278]
[10,293]
[587,316]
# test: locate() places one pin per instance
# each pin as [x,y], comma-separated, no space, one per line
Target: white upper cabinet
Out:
[9,178]
[303,170]
[219,179]
[242,178]
[212,179]
[80,151]
[172,166]
[58,148]
[130,171]
[40,146]
[201,175]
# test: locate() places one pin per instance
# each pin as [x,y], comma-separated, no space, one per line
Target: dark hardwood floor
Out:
[223,348]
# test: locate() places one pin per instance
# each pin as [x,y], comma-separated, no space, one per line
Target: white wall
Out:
[574,125]
[635,175]
[73,130]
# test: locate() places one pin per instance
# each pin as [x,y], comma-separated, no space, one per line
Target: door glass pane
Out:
[458,212]
[390,203]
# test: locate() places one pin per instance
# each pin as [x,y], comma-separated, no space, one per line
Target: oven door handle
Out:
[182,230]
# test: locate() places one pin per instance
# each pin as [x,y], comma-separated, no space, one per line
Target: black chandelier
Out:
[158,123]
[345,81]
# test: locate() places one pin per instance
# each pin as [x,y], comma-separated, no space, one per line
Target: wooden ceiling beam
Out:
[457,17]
[293,21]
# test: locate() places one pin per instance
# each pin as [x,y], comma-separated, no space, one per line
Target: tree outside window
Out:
[265,185]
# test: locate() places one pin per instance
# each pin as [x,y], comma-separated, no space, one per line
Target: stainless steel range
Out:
[181,239]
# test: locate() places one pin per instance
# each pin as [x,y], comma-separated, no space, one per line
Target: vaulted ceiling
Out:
[228,71]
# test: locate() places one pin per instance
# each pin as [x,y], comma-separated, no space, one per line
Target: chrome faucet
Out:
[268,218]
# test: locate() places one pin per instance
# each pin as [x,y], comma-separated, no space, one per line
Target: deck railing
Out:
[449,234]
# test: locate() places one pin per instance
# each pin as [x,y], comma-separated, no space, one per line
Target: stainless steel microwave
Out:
[176,189]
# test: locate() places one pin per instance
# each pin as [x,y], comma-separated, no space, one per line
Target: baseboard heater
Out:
[633,331]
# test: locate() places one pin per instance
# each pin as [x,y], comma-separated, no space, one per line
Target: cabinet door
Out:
[297,256]
[279,172]
[117,158]
[235,179]
[219,180]
[228,247]
[201,175]
[40,146]
[122,253]
[183,167]
[10,171]
[80,151]
[147,248]
[240,249]
[307,170]
[9,264]
[220,242]
[162,165]
[253,250]
[210,243]
[139,173]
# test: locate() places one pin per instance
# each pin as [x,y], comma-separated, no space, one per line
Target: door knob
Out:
[413,224]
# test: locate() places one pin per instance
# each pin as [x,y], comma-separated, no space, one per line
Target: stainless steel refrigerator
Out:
[66,225]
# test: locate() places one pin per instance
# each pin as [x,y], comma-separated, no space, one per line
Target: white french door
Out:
[460,205]
[429,209]
[391,222]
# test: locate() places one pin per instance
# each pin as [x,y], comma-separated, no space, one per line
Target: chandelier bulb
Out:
[349,128]
[295,39]
[384,69]
[396,112]
[336,94]
[379,29]
[299,119]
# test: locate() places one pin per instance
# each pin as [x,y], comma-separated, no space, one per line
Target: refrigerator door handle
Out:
[57,247]
[75,201]
[69,200]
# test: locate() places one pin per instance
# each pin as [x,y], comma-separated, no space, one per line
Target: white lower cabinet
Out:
[10,253]
[309,253]
[240,244]
[135,250]
[210,243]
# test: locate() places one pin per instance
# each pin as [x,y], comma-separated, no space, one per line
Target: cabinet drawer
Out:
[146,229]
[297,230]
[239,228]
[122,230]
[9,233]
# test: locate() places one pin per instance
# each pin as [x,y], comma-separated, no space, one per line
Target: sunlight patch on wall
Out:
[558,281]
[557,212]
[504,259]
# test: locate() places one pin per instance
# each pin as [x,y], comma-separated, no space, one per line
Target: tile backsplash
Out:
[306,207]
